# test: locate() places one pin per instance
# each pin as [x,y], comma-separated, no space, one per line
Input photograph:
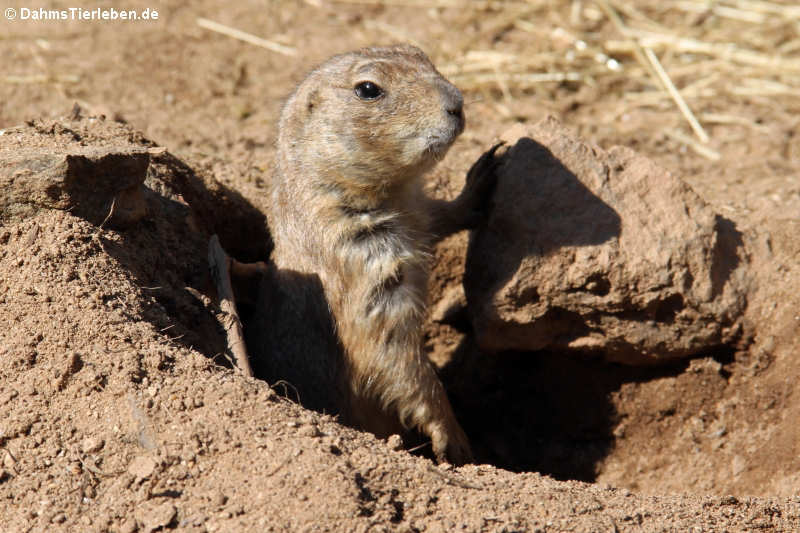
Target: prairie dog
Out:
[341,317]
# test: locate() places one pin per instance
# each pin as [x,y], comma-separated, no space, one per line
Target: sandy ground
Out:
[117,412]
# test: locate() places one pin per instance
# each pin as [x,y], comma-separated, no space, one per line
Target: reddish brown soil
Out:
[115,414]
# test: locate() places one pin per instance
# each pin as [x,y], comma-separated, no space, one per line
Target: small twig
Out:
[219,265]
[279,467]
[226,356]
[286,386]
[419,447]
[108,216]
[246,37]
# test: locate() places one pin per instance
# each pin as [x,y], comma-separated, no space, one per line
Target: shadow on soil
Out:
[167,251]
[540,411]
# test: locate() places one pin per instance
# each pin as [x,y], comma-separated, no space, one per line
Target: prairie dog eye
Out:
[366,90]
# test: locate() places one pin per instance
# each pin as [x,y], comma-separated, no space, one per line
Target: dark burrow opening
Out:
[549,412]
[541,411]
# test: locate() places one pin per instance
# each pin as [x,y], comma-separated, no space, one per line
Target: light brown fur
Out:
[341,318]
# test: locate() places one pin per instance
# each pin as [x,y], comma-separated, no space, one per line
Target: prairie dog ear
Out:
[309,98]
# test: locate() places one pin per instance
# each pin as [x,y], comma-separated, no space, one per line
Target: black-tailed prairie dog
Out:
[341,317]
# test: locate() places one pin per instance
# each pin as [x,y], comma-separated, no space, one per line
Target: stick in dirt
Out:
[220,268]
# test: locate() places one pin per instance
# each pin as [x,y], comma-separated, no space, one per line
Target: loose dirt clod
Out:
[142,467]
[604,252]
[153,517]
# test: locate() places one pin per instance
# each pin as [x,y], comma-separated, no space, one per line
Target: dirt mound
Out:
[118,414]
[116,417]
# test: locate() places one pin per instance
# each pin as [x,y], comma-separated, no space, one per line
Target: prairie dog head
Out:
[371,116]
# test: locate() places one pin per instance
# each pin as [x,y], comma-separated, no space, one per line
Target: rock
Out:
[92,444]
[218,499]
[142,467]
[588,250]
[9,462]
[394,442]
[62,173]
[152,517]
[128,526]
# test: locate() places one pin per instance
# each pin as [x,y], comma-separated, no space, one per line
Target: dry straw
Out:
[246,37]
[692,65]
[687,55]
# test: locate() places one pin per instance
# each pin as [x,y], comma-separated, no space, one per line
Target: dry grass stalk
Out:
[742,51]
[762,87]
[634,46]
[246,37]
[719,118]
[728,52]
[787,12]
[646,56]
[630,11]
[502,85]
[700,149]
[789,47]
[676,96]
[722,11]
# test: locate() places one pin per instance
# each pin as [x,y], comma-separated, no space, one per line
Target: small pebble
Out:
[92,444]
[142,467]
[395,442]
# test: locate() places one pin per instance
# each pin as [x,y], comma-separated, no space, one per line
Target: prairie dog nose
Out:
[453,103]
